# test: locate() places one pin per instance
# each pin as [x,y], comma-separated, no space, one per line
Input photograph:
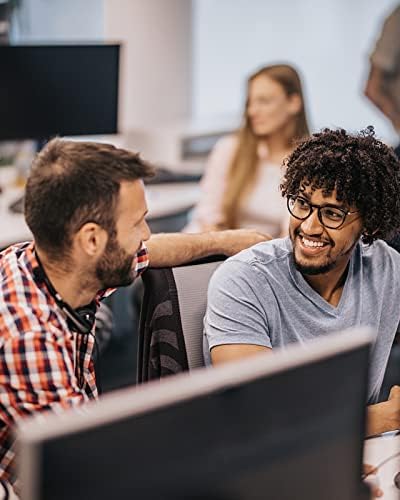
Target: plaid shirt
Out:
[43,365]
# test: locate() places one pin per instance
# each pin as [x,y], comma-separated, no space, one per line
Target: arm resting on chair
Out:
[174,249]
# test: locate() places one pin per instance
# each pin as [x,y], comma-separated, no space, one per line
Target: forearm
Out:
[172,249]
[383,417]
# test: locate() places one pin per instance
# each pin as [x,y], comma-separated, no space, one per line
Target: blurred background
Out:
[184,62]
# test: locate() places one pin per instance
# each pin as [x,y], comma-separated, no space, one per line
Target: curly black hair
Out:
[363,170]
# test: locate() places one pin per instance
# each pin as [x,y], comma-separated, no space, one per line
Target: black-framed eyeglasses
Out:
[329,215]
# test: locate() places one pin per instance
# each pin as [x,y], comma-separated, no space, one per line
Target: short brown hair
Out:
[72,183]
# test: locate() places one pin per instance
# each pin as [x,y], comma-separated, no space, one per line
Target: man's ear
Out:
[91,239]
[370,234]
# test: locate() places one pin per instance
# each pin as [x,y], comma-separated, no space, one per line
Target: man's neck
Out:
[69,282]
[329,285]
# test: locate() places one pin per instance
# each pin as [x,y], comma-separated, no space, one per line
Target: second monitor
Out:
[48,90]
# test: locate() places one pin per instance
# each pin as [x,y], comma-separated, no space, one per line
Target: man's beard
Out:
[311,269]
[114,268]
[322,268]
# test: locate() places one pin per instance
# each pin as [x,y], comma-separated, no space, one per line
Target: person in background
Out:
[85,206]
[383,84]
[240,186]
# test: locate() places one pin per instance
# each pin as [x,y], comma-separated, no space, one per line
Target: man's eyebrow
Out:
[340,207]
[304,194]
[338,204]
[307,196]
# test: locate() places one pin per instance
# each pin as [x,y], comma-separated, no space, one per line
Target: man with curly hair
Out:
[333,272]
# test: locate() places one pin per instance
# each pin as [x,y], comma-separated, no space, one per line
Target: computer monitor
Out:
[48,90]
[285,425]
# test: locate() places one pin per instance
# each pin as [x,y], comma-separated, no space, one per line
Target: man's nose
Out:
[312,224]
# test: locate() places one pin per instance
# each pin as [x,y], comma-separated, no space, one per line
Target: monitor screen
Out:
[285,425]
[58,90]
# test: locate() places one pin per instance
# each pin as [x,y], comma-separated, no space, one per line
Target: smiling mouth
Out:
[311,246]
[311,243]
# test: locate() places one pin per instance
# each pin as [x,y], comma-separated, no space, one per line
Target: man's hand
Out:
[395,395]
[393,403]
[384,417]
[232,241]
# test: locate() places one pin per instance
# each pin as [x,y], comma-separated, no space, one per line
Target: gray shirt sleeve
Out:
[235,314]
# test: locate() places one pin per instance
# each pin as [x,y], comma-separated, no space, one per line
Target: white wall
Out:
[58,21]
[156,70]
[328,40]
[188,59]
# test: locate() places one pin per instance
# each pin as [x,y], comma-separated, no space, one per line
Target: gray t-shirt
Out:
[258,297]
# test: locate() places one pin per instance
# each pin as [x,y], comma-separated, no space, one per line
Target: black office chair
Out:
[171,318]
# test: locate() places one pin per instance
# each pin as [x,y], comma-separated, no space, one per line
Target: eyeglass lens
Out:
[329,216]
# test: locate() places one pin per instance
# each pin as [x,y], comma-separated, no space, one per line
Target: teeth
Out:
[309,243]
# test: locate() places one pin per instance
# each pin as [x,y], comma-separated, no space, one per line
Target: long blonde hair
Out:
[243,169]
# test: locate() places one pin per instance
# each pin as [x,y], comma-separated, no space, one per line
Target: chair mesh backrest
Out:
[191,284]
[171,319]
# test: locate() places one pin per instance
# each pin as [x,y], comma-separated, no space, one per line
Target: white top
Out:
[263,209]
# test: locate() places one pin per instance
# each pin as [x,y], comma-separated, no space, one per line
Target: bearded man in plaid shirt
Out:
[85,206]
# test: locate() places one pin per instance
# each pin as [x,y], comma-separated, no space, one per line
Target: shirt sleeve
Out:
[208,211]
[235,314]
[386,54]
[37,373]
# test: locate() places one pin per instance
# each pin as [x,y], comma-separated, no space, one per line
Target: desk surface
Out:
[162,199]
[172,198]
[375,451]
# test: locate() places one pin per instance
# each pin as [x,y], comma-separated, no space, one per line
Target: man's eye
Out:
[302,203]
[333,214]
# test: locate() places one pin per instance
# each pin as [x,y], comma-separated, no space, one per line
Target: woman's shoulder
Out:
[222,155]
[227,143]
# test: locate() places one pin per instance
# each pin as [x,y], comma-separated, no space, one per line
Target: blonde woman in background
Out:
[240,186]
